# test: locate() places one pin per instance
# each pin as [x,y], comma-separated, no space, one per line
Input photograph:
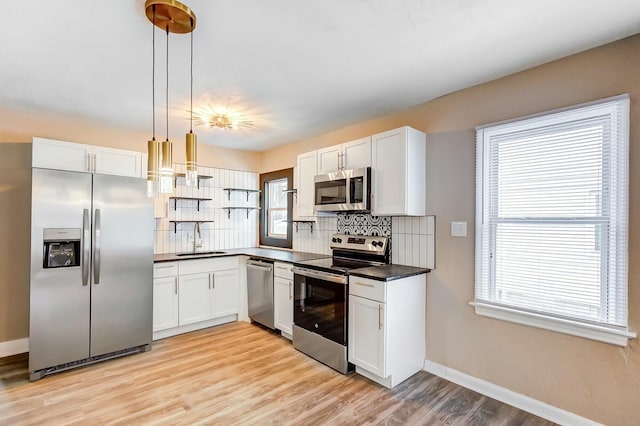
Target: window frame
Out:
[485,302]
[264,238]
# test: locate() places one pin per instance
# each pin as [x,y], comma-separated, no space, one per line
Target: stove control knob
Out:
[377,243]
[334,240]
[339,240]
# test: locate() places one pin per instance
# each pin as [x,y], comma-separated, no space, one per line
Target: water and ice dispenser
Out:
[61,247]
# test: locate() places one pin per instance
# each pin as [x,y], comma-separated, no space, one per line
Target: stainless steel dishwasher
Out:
[260,291]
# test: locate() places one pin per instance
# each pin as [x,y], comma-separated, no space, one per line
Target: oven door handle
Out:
[321,275]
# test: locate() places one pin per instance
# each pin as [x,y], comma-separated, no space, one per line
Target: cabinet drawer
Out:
[283,270]
[165,269]
[198,266]
[368,288]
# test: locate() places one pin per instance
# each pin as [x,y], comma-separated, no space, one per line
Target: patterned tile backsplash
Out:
[364,224]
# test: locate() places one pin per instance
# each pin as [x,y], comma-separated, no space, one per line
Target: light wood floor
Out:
[235,374]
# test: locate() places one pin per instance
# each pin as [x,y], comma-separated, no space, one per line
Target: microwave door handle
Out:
[96,248]
[86,242]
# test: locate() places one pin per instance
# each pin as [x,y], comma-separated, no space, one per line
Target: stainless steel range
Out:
[321,291]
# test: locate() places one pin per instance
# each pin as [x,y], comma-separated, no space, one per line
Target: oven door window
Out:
[331,192]
[320,306]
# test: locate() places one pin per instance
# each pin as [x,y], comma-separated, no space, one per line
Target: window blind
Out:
[552,203]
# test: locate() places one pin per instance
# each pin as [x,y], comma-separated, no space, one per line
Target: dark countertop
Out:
[263,253]
[380,273]
[388,272]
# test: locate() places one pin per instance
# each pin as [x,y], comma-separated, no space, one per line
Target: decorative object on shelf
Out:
[222,118]
[248,191]
[170,16]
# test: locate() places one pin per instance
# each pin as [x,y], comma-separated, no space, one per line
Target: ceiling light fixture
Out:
[228,120]
[170,16]
[153,146]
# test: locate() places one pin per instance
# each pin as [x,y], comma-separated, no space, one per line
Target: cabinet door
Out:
[367,335]
[194,292]
[225,295]
[119,162]
[58,155]
[389,159]
[329,159]
[165,303]
[283,304]
[356,154]
[307,165]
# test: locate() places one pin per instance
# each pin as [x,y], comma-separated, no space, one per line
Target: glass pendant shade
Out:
[192,159]
[153,165]
[166,168]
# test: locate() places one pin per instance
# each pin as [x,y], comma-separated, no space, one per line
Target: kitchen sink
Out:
[200,253]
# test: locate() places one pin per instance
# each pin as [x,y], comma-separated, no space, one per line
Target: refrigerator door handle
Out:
[86,249]
[96,248]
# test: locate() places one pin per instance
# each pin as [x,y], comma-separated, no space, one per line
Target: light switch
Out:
[458,229]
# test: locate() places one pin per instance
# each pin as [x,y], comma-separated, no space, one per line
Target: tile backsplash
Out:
[412,239]
[228,230]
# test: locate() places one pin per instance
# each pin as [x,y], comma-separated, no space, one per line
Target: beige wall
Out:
[595,380]
[15,231]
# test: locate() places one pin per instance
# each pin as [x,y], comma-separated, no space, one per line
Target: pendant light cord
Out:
[153,73]
[191,107]
[167,88]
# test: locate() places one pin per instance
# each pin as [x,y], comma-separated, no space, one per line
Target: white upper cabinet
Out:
[119,162]
[349,155]
[399,172]
[306,169]
[75,157]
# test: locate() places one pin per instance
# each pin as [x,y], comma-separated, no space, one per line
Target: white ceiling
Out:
[297,68]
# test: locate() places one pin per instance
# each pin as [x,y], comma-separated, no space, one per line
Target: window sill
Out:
[613,336]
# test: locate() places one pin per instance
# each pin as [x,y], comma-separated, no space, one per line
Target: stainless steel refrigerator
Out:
[91,269]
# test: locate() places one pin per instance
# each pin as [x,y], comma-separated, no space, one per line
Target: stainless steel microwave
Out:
[343,191]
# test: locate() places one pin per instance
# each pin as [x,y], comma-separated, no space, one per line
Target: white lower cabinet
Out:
[225,293]
[367,334]
[283,298]
[194,294]
[387,327]
[165,303]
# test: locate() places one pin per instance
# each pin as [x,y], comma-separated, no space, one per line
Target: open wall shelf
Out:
[199,200]
[182,175]
[248,209]
[175,222]
[248,191]
[298,222]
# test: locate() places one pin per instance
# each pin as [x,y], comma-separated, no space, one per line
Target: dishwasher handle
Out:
[260,265]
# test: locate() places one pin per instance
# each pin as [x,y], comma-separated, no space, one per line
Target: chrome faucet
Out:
[197,237]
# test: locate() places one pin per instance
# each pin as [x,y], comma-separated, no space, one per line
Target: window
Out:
[551,220]
[275,217]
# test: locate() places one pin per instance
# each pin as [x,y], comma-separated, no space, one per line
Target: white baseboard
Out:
[14,347]
[533,406]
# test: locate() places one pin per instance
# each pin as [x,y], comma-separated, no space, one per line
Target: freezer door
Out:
[59,308]
[122,275]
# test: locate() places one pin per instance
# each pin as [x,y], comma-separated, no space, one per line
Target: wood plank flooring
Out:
[235,374]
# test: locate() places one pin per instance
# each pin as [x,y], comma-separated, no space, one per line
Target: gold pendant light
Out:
[191,138]
[153,146]
[171,16]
